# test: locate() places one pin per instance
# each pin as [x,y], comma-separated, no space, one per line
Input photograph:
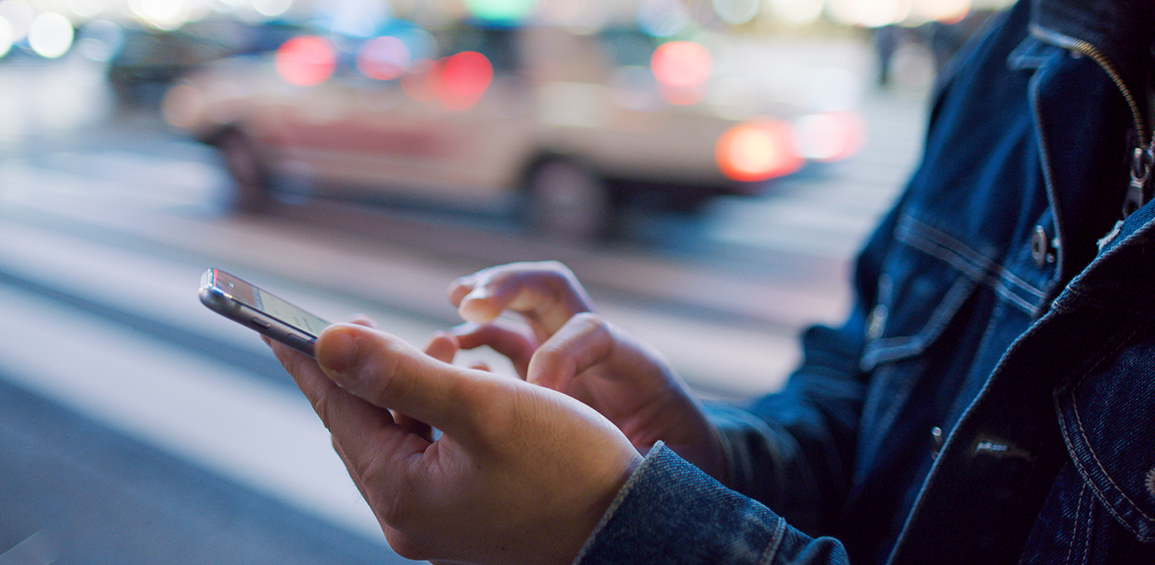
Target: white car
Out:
[536,118]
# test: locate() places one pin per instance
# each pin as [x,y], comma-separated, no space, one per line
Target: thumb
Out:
[388,372]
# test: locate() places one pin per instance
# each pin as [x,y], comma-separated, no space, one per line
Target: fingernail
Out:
[475,308]
[336,348]
[478,293]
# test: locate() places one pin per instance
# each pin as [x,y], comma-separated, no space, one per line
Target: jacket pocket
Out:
[1107,417]
[926,283]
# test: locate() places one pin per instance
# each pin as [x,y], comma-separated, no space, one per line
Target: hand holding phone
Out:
[260,310]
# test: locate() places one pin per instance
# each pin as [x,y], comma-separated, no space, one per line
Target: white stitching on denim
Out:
[1075,526]
[982,274]
[1086,441]
[776,541]
[961,248]
[1088,529]
[969,261]
[882,349]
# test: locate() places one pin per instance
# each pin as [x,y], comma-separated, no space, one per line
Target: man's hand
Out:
[571,349]
[519,473]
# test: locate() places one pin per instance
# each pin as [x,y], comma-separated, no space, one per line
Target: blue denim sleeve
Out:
[794,450]
[671,512]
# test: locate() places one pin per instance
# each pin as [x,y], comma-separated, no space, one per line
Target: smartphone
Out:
[257,309]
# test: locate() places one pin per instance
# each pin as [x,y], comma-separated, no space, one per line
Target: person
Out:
[989,399]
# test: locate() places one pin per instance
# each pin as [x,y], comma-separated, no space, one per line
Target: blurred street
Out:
[138,427]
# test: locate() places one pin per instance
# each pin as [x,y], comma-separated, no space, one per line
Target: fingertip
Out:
[458,289]
[336,347]
[477,307]
[442,346]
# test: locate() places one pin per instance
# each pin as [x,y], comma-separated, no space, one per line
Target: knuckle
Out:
[591,322]
[323,405]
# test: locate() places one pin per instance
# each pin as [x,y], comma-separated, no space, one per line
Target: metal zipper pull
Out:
[1139,191]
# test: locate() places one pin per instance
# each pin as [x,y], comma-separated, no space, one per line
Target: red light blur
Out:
[681,64]
[306,60]
[756,151]
[461,80]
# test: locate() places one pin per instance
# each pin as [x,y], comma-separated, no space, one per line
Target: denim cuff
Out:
[671,512]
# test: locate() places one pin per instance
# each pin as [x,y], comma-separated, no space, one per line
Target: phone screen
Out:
[268,303]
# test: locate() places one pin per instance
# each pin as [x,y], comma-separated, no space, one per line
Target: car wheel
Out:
[252,189]
[567,201]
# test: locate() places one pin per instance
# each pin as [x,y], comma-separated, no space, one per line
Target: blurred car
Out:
[555,124]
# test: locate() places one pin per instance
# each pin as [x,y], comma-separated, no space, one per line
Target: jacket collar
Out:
[1123,30]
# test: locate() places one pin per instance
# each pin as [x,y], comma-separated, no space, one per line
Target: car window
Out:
[496,43]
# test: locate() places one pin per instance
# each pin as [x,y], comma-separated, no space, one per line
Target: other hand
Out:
[569,348]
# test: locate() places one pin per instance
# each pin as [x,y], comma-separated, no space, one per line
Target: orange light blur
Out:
[461,80]
[756,151]
[306,60]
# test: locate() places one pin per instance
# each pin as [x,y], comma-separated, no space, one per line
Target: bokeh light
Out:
[869,13]
[829,137]
[682,69]
[50,35]
[681,64]
[462,79]
[500,10]
[272,8]
[86,9]
[796,12]
[6,37]
[944,11]
[164,14]
[737,12]
[353,18]
[383,58]
[662,18]
[756,151]
[19,17]
[306,60]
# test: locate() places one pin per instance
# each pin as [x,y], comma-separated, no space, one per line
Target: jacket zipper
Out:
[1143,155]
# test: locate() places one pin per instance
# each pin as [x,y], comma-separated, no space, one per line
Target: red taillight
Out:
[462,79]
[758,150]
[306,60]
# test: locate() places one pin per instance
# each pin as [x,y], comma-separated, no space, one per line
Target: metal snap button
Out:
[1042,251]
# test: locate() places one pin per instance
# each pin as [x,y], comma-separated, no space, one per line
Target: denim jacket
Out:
[991,397]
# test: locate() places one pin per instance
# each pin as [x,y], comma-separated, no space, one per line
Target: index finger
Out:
[546,293]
